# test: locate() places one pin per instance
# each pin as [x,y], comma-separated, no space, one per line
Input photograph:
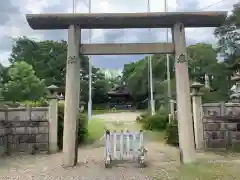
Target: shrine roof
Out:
[126,20]
[120,90]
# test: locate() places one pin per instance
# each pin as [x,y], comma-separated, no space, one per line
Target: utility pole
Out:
[148,84]
[89,64]
[74,6]
[150,74]
[90,71]
[151,87]
[171,102]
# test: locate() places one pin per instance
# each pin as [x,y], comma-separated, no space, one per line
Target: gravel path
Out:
[90,166]
[90,163]
[161,161]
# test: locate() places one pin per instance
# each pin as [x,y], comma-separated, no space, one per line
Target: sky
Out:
[13,24]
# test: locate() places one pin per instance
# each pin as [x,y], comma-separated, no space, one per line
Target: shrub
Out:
[171,136]
[42,102]
[11,104]
[142,117]
[138,119]
[145,115]
[157,122]
[99,106]
[82,126]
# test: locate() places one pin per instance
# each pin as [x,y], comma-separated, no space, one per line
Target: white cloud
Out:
[17,25]
[35,7]
[5,55]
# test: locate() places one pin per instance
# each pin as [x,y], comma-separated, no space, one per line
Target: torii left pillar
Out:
[184,114]
[72,96]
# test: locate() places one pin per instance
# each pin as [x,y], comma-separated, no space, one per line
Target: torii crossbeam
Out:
[177,21]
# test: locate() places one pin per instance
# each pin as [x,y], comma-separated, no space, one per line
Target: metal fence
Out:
[124,146]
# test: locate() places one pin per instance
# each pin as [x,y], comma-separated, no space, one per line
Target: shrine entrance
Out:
[177,21]
[119,98]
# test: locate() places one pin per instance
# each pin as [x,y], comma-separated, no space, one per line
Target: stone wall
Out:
[221,125]
[3,137]
[24,129]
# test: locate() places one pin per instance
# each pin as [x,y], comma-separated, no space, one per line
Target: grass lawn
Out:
[150,135]
[118,126]
[104,111]
[202,170]
[155,136]
[96,129]
[207,171]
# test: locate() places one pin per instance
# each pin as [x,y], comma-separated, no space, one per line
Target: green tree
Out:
[202,59]
[100,91]
[136,75]
[2,74]
[48,59]
[23,84]
[228,36]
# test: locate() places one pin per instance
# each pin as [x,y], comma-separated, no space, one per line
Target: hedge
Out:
[157,122]
[82,126]
[171,136]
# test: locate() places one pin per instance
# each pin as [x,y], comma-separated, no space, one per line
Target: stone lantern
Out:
[197,114]
[1,97]
[52,91]
[196,86]
[235,96]
[235,78]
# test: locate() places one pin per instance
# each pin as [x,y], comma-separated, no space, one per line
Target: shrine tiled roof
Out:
[120,90]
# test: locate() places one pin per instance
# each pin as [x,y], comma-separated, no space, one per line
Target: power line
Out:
[213,4]
[208,6]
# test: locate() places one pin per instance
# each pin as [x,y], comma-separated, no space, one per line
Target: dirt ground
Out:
[162,160]
[125,117]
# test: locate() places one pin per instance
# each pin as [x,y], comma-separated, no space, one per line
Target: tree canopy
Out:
[23,83]
[202,59]
[48,60]
[228,36]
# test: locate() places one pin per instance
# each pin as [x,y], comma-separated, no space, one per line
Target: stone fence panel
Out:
[221,125]
[24,129]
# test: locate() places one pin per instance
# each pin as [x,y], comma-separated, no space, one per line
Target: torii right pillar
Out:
[184,114]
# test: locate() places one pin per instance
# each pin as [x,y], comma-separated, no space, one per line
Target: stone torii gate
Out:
[177,21]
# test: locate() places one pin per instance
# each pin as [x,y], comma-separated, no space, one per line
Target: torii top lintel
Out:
[126,20]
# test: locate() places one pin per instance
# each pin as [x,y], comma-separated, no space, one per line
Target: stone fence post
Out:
[3,131]
[53,119]
[197,115]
